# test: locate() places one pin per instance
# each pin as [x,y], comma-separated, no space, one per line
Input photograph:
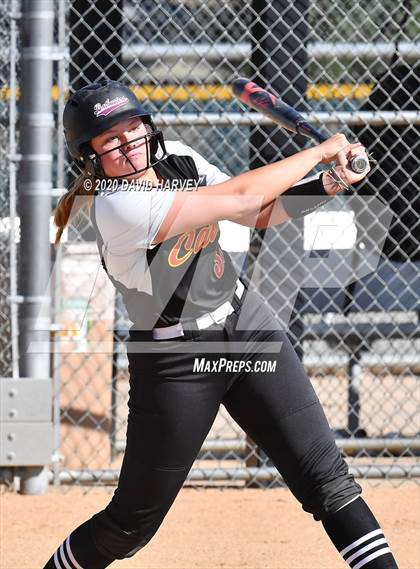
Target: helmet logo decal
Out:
[104,109]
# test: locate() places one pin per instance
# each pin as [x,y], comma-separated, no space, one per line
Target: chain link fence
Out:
[344,281]
[7,189]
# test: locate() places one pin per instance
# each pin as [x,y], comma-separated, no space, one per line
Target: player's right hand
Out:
[335,149]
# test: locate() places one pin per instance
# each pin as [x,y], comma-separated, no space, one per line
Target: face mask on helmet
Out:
[96,108]
[153,143]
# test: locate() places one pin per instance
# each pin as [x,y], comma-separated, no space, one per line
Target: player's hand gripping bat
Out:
[286,116]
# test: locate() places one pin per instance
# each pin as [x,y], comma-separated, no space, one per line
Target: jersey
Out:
[181,278]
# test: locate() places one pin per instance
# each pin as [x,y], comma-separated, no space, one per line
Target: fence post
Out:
[35,184]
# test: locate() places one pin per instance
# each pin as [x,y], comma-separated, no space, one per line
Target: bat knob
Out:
[359,164]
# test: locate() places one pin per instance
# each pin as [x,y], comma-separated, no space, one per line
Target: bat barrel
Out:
[289,118]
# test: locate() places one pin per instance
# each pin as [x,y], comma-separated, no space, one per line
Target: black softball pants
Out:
[172,408]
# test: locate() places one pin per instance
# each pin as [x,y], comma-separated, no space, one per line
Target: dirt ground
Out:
[210,529]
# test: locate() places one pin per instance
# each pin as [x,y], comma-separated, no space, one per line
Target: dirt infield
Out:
[210,529]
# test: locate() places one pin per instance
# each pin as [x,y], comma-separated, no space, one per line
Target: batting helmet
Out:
[97,107]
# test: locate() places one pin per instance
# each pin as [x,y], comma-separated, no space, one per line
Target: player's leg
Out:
[171,412]
[282,414]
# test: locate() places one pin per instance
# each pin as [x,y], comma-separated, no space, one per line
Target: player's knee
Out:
[121,541]
[324,484]
[331,496]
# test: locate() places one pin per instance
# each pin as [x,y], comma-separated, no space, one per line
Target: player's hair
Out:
[68,207]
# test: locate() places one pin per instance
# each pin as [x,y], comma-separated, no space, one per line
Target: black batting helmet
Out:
[97,107]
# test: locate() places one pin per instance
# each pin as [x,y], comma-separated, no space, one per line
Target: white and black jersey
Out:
[183,277]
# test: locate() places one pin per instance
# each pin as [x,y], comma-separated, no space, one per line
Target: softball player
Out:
[160,249]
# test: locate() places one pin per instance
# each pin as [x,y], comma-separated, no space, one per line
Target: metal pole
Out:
[220,447]
[114,388]
[353,410]
[261,474]
[56,356]
[12,192]
[362,118]
[238,51]
[35,183]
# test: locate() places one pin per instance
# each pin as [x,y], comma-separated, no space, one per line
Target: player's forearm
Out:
[271,214]
[275,213]
[269,182]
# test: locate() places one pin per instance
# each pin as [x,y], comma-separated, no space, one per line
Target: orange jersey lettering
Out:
[191,243]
